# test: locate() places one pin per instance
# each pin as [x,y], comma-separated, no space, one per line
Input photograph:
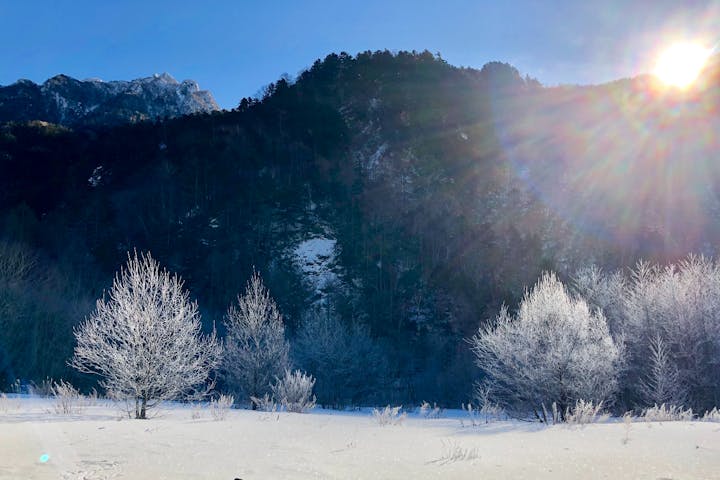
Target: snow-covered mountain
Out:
[68,101]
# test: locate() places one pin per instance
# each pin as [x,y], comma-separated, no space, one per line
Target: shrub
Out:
[389,416]
[712,415]
[219,407]
[294,391]
[666,413]
[584,413]
[453,452]
[553,351]
[266,403]
[430,411]
[68,400]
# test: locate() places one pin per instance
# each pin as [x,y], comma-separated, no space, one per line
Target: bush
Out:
[266,403]
[666,413]
[553,351]
[219,407]
[584,413]
[389,416]
[453,452]
[712,415]
[68,400]
[430,411]
[294,391]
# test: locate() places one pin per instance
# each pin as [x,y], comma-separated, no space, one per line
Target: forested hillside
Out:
[399,197]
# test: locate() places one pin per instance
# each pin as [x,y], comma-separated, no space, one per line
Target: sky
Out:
[235,47]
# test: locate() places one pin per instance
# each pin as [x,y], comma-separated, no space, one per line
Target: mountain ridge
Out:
[64,100]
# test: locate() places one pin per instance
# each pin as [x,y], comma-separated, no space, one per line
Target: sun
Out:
[681,63]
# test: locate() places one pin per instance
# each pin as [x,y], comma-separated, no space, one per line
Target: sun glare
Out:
[681,64]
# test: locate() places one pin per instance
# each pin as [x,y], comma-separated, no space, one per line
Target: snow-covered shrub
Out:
[42,389]
[389,416]
[7,404]
[584,413]
[67,399]
[666,413]
[473,416]
[555,350]
[454,452]
[430,411]
[344,359]
[487,408]
[266,403]
[294,391]
[144,339]
[219,407]
[712,415]
[256,349]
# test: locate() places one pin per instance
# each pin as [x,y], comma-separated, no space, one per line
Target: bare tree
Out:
[662,383]
[553,351]
[350,367]
[681,304]
[257,350]
[602,290]
[144,339]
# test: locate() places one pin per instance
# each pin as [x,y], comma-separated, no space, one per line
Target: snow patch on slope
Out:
[315,257]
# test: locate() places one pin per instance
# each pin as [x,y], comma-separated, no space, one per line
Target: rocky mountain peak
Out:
[65,100]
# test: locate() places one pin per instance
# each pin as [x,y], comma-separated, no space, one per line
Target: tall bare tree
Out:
[256,348]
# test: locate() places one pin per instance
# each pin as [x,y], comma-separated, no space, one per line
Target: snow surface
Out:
[101,444]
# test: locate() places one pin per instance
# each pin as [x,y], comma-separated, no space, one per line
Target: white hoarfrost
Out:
[552,353]
[256,349]
[144,339]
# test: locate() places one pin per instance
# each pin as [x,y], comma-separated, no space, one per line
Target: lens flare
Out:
[681,64]
[44,458]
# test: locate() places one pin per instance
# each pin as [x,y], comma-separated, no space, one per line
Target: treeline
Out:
[445,192]
[648,338]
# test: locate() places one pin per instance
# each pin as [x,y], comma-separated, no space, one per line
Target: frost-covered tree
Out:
[256,348]
[681,304]
[144,339]
[661,385]
[554,350]
[602,290]
[348,364]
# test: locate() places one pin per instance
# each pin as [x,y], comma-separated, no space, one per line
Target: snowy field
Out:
[183,442]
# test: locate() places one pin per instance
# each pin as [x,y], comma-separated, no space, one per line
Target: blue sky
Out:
[233,48]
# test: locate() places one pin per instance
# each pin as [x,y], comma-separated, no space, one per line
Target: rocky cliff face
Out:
[67,101]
